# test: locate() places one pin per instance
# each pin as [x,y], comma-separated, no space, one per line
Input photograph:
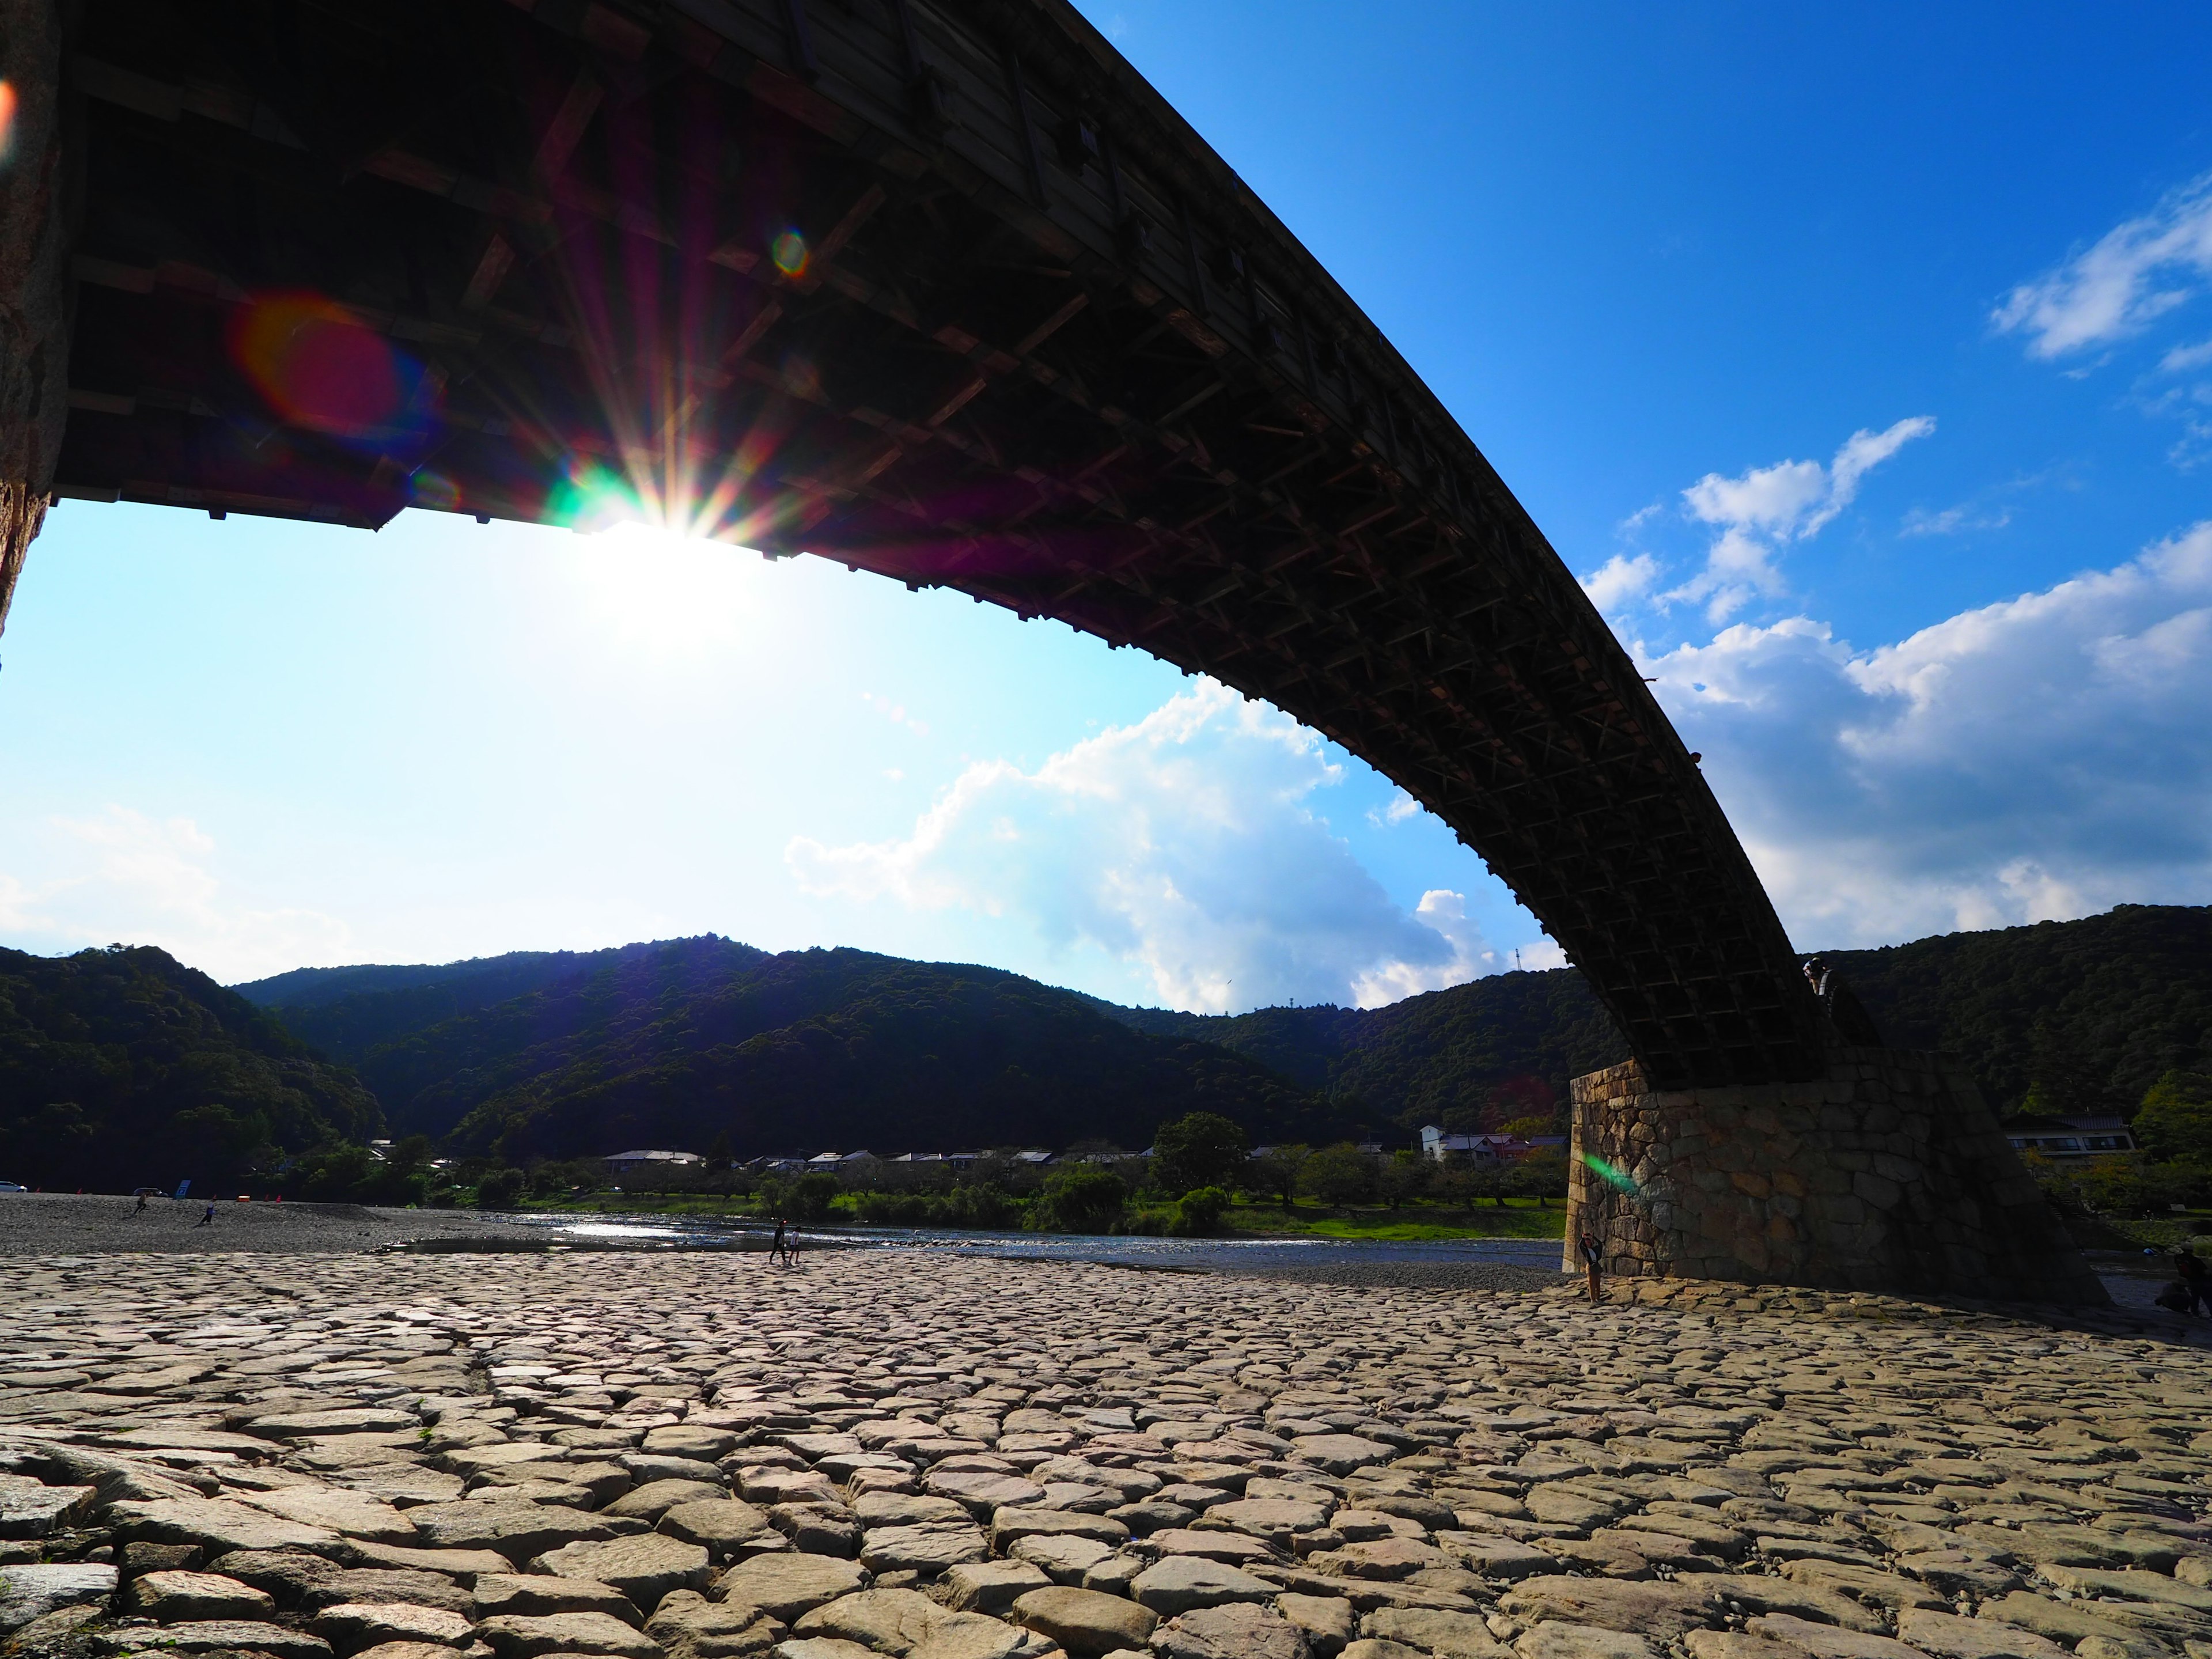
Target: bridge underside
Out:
[939,288]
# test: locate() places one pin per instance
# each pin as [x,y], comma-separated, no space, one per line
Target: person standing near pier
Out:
[1593,1264]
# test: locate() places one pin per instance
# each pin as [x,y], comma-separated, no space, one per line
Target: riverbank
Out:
[72,1223]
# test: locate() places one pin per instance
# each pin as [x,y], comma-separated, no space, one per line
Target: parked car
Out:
[13,1186]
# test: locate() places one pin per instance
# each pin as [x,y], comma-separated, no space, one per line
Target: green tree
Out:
[1340,1175]
[1198,1149]
[809,1198]
[1404,1175]
[1542,1174]
[500,1189]
[1082,1200]
[1278,1173]
[2175,1118]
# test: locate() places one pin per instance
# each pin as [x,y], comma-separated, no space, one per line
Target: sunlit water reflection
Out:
[1201,1253]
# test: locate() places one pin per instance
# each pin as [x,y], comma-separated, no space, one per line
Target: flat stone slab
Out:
[1657,1610]
[720,1523]
[217,1635]
[1085,1622]
[644,1568]
[350,1626]
[1180,1582]
[899,1622]
[534,1595]
[512,1636]
[169,1597]
[511,1527]
[1340,1454]
[926,1549]
[31,1509]
[789,1585]
[217,1525]
[307,1425]
[34,1589]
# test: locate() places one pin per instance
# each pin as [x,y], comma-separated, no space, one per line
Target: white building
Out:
[1439,1144]
[621,1163]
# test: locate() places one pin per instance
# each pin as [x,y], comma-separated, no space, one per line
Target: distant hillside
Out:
[2095,1011]
[693,1041]
[122,1067]
[1483,1052]
[345,1012]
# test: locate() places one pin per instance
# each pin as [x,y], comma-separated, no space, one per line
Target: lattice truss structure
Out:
[940,288]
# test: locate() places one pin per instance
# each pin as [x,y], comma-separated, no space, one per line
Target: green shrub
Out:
[500,1189]
[1198,1213]
[1080,1200]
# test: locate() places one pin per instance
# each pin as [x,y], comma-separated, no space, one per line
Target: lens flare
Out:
[1612,1174]
[591,496]
[7,123]
[319,368]
[789,250]
[434,489]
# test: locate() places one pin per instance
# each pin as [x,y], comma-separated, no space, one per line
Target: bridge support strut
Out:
[1886,1173]
[33,276]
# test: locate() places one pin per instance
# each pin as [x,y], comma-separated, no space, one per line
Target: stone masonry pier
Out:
[1886,1172]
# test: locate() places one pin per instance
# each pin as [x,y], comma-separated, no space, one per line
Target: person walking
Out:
[1593,1264]
[775,1247]
[206,1220]
[141,1210]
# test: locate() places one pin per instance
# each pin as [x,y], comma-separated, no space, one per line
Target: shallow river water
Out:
[1199,1254]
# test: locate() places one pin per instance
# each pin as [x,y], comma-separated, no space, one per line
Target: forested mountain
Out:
[347,1011]
[1480,1053]
[2091,1013]
[122,1068]
[695,1042]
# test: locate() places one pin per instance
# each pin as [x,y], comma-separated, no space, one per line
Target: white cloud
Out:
[1953,520]
[124,877]
[1621,579]
[2182,359]
[1188,844]
[2135,273]
[2041,758]
[1770,506]
[1395,810]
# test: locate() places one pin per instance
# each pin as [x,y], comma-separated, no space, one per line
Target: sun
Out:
[662,593]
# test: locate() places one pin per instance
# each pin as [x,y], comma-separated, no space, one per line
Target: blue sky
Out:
[1859,357]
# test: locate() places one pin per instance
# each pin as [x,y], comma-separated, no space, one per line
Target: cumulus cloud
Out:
[1621,580]
[2134,274]
[1188,844]
[1763,509]
[121,876]
[2037,759]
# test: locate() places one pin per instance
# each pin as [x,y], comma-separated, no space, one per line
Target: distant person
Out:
[2193,1281]
[1593,1264]
[141,1210]
[205,1220]
[775,1246]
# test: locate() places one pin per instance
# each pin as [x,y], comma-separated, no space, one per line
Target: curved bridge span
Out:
[940,288]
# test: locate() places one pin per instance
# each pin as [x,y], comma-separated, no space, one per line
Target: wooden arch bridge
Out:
[940,288]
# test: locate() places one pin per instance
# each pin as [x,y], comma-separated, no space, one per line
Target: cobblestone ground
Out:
[425,1457]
